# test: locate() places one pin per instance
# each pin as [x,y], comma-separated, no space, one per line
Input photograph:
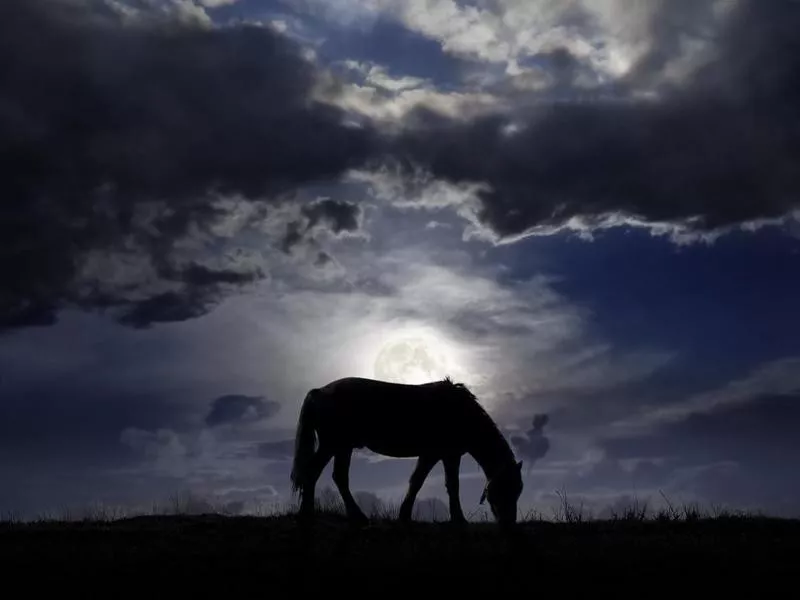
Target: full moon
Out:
[411,360]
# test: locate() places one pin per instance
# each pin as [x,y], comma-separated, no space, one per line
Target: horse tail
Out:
[305,441]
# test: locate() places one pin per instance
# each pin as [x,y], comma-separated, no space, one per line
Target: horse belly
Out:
[395,448]
[406,443]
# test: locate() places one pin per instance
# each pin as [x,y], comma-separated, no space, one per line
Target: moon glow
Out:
[411,359]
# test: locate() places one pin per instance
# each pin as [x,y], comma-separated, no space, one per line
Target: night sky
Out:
[588,211]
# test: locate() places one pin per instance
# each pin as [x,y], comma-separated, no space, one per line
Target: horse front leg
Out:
[452,464]
[341,477]
[424,466]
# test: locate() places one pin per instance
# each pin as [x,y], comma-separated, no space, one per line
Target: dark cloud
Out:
[39,424]
[535,444]
[280,450]
[739,433]
[323,258]
[202,288]
[562,68]
[119,137]
[235,408]
[743,456]
[337,216]
[720,148]
[669,28]
[169,306]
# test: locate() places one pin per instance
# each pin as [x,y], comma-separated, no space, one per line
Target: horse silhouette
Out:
[440,420]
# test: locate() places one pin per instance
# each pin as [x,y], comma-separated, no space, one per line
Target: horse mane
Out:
[483,416]
[447,381]
[481,412]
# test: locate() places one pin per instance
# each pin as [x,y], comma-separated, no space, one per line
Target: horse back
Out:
[391,418]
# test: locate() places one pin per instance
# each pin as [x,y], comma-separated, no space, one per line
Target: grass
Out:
[632,548]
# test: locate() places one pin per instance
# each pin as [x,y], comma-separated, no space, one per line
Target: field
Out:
[277,555]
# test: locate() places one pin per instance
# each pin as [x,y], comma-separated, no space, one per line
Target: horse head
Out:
[503,492]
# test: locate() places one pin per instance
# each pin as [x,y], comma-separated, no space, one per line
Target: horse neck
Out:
[489,448]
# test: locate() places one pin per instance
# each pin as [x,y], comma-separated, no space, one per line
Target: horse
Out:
[435,421]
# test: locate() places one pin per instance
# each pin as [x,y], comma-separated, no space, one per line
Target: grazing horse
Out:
[440,420]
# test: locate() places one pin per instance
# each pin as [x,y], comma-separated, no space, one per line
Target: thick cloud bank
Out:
[118,136]
[715,149]
[129,138]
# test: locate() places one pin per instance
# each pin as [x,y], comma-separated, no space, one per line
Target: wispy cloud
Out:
[779,377]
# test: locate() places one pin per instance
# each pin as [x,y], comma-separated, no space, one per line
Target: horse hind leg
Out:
[341,477]
[321,458]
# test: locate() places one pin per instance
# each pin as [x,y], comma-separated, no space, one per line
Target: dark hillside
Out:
[275,556]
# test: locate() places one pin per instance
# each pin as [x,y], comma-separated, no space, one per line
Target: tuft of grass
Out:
[636,512]
[328,504]
[569,513]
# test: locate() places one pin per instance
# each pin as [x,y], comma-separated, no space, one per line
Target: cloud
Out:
[39,419]
[401,189]
[235,408]
[609,37]
[390,101]
[199,457]
[534,445]
[187,12]
[115,194]
[711,151]
[518,344]
[159,444]
[280,450]
[743,454]
[732,445]
[216,3]
[133,193]
[778,378]
[338,217]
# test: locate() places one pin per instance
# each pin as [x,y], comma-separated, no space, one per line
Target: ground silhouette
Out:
[280,555]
